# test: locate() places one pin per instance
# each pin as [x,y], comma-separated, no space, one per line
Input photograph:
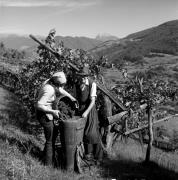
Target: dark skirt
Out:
[91,132]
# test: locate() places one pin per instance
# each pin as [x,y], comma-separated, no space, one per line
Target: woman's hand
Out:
[85,114]
[56,113]
[76,104]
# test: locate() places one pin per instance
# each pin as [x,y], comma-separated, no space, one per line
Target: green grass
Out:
[126,161]
[19,158]
[21,147]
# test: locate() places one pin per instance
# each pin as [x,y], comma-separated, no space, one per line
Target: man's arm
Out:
[42,103]
[65,93]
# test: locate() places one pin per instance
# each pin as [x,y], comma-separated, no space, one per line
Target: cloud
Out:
[48,3]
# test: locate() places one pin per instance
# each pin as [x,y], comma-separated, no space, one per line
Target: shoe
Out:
[89,157]
[98,162]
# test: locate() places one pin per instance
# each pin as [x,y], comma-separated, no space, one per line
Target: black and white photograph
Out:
[88,89]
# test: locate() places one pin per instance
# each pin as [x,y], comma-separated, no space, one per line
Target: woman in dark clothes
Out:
[86,96]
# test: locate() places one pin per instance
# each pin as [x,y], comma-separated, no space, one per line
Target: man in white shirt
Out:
[45,113]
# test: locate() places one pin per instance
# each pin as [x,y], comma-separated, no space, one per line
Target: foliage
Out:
[143,90]
[140,90]
[34,74]
[133,93]
[66,107]
[11,54]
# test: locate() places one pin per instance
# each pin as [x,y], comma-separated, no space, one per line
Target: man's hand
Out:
[85,114]
[56,114]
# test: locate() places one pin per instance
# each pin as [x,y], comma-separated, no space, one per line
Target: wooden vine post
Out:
[108,112]
[150,128]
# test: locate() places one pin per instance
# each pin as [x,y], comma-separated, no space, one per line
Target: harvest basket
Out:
[71,135]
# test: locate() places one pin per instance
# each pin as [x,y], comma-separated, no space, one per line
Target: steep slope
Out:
[162,39]
[168,28]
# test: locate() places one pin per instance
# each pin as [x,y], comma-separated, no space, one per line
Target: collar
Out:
[87,82]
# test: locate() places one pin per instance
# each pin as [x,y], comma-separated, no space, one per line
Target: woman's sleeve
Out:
[93,90]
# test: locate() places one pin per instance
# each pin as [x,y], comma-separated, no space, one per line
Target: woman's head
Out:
[82,79]
[83,74]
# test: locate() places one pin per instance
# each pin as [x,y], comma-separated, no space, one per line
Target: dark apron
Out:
[91,131]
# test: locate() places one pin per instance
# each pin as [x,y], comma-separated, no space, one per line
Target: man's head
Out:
[58,79]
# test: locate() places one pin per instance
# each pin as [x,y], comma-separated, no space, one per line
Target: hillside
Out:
[25,43]
[21,153]
[159,39]
[17,42]
[78,42]
[168,28]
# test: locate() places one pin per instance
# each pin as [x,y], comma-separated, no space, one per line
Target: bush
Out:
[11,55]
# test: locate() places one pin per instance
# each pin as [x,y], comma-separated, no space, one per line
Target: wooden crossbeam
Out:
[146,125]
[117,117]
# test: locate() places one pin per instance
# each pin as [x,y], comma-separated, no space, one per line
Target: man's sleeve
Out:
[93,90]
[45,95]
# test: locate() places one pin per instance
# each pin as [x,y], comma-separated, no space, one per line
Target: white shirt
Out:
[93,88]
[47,96]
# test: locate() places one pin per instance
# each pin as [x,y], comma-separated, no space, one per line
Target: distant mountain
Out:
[106,37]
[25,43]
[16,42]
[161,39]
[78,42]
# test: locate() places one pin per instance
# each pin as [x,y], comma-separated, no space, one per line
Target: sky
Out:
[84,17]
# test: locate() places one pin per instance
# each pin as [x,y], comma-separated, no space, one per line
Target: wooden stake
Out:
[150,127]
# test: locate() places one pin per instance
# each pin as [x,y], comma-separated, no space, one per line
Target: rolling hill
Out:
[159,39]
[25,43]
[78,42]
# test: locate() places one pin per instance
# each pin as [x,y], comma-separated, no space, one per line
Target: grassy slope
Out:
[20,152]
[168,62]
[21,162]
[126,162]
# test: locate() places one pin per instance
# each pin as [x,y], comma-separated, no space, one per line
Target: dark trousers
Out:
[51,133]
